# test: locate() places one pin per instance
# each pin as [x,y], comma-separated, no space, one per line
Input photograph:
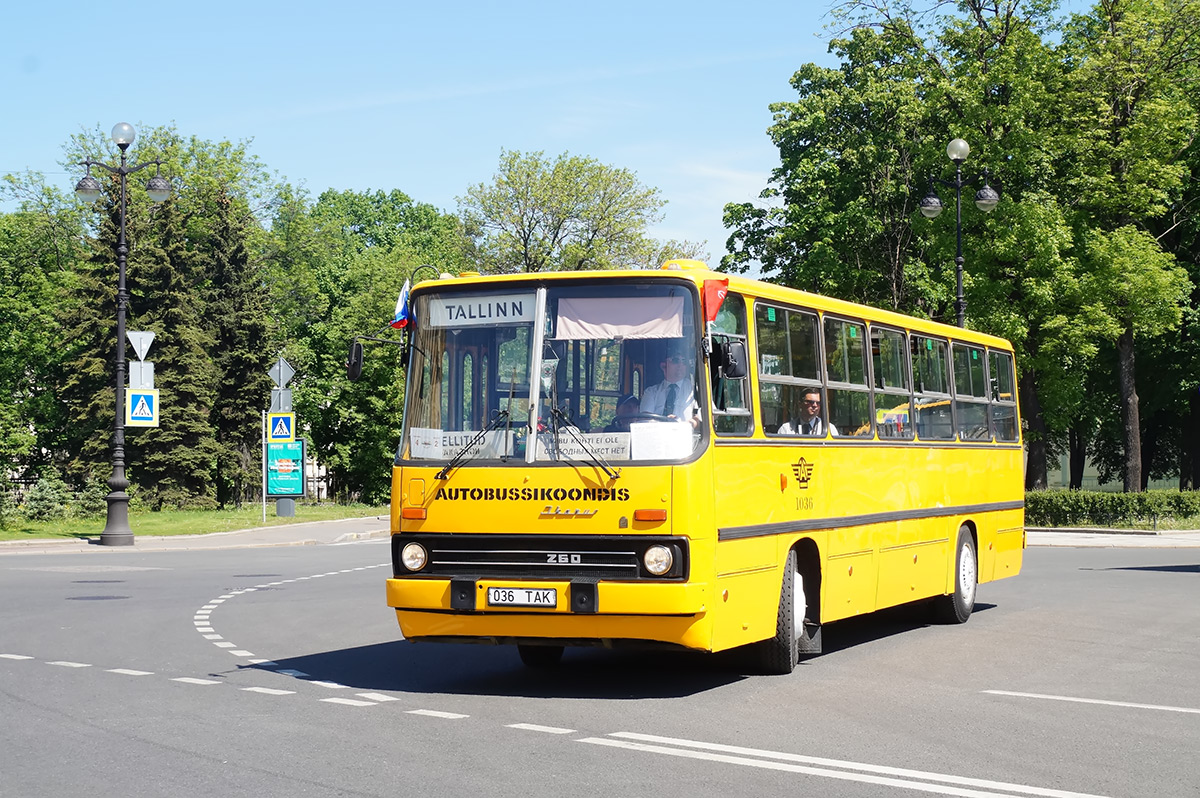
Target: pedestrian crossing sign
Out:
[141,407]
[281,427]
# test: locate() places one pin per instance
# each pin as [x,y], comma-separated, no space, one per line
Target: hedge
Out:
[1099,508]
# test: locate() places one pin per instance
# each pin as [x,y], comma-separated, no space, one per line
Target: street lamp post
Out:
[116,526]
[986,199]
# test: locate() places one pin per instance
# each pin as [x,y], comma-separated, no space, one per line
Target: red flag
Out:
[714,295]
[401,320]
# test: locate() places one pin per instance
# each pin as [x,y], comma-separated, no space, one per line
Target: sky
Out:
[362,96]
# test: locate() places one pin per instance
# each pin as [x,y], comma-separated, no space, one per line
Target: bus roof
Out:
[697,272]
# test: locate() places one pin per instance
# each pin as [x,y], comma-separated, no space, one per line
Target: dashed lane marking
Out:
[433,713]
[192,680]
[130,672]
[536,728]
[268,691]
[67,664]
[14,656]
[1074,700]
[350,702]
[380,697]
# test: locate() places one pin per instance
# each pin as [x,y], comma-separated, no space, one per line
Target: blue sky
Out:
[422,98]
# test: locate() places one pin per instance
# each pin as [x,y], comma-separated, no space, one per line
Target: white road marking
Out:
[241,653]
[292,673]
[268,691]
[14,656]
[350,702]
[433,713]
[190,680]
[870,774]
[380,697]
[1128,704]
[129,672]
[536,728]
[225,644]
[330,685]
[67,664]
[213,637]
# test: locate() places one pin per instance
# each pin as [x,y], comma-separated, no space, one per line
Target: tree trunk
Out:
[1077,442]
[1035,433]
[1126,377]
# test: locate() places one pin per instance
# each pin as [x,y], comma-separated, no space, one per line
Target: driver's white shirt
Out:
[654,399]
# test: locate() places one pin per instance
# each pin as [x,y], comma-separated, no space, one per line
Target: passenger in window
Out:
[627,411]
[808,420]
[675,396]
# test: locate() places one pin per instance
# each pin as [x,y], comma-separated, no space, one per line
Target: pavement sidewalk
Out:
[350,529]
[312,533]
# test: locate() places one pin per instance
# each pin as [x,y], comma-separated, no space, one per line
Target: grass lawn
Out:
[183,522]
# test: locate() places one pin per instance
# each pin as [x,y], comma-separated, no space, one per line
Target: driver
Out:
[675,396]
[627,410]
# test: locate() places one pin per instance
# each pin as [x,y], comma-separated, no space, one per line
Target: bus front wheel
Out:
[957,607]
[780,653]
[540,656]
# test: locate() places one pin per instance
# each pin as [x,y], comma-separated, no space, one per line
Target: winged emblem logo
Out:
[803,471]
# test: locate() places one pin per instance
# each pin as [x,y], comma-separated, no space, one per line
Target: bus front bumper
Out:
[584,612]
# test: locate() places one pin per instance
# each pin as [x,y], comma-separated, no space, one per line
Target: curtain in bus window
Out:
[970,388]
[1004,397]
[619,317]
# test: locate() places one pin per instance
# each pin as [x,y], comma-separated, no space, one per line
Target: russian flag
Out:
[401,320]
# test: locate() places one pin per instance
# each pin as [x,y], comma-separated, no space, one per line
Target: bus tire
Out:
[778,654]
[540,657]
[957,607]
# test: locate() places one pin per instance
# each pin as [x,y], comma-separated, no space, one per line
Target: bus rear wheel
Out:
[540,656]
[957,607]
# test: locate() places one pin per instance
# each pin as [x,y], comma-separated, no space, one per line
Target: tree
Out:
[173,465]
[239,326]
[561,215]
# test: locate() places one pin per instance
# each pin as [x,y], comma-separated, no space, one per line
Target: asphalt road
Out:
[280,672]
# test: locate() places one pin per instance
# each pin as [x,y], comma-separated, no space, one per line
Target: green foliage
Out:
[1073,508]
[47,499]
[562,215]
[91,501]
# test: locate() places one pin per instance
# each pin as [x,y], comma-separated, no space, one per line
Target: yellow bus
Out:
[535,504]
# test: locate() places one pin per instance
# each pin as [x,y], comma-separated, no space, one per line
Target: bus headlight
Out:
[413,556]
[658,560]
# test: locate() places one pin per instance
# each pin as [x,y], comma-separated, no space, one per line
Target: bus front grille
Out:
[586,557]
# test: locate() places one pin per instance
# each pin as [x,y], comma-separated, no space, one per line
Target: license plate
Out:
[522,597]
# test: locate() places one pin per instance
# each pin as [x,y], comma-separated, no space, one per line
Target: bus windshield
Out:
[567,372]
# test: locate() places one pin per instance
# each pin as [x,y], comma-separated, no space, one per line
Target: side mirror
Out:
[732,360]
[354,361]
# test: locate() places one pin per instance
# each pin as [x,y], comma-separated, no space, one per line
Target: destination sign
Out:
[478,311]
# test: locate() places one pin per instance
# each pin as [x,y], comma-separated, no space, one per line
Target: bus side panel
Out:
[746,598]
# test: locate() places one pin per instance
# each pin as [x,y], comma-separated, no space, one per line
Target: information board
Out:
[285,470]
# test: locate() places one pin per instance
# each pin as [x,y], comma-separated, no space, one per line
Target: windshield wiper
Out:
[462,453]
[599,461]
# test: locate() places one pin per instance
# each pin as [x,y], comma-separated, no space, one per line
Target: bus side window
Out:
[730,399]
[788,344]
[931,385]
[1004,397]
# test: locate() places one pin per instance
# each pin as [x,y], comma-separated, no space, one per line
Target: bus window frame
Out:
[867,387]
[906,350]
[785,380]
[970,399]
[948,395]
[745,384]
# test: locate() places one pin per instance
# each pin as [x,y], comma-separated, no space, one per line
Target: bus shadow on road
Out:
[852,632]
[497,670]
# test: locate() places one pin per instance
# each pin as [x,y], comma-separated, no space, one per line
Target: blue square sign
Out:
[281,427]
[141,407]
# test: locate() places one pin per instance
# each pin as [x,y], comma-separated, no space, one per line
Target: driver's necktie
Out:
[669,405]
